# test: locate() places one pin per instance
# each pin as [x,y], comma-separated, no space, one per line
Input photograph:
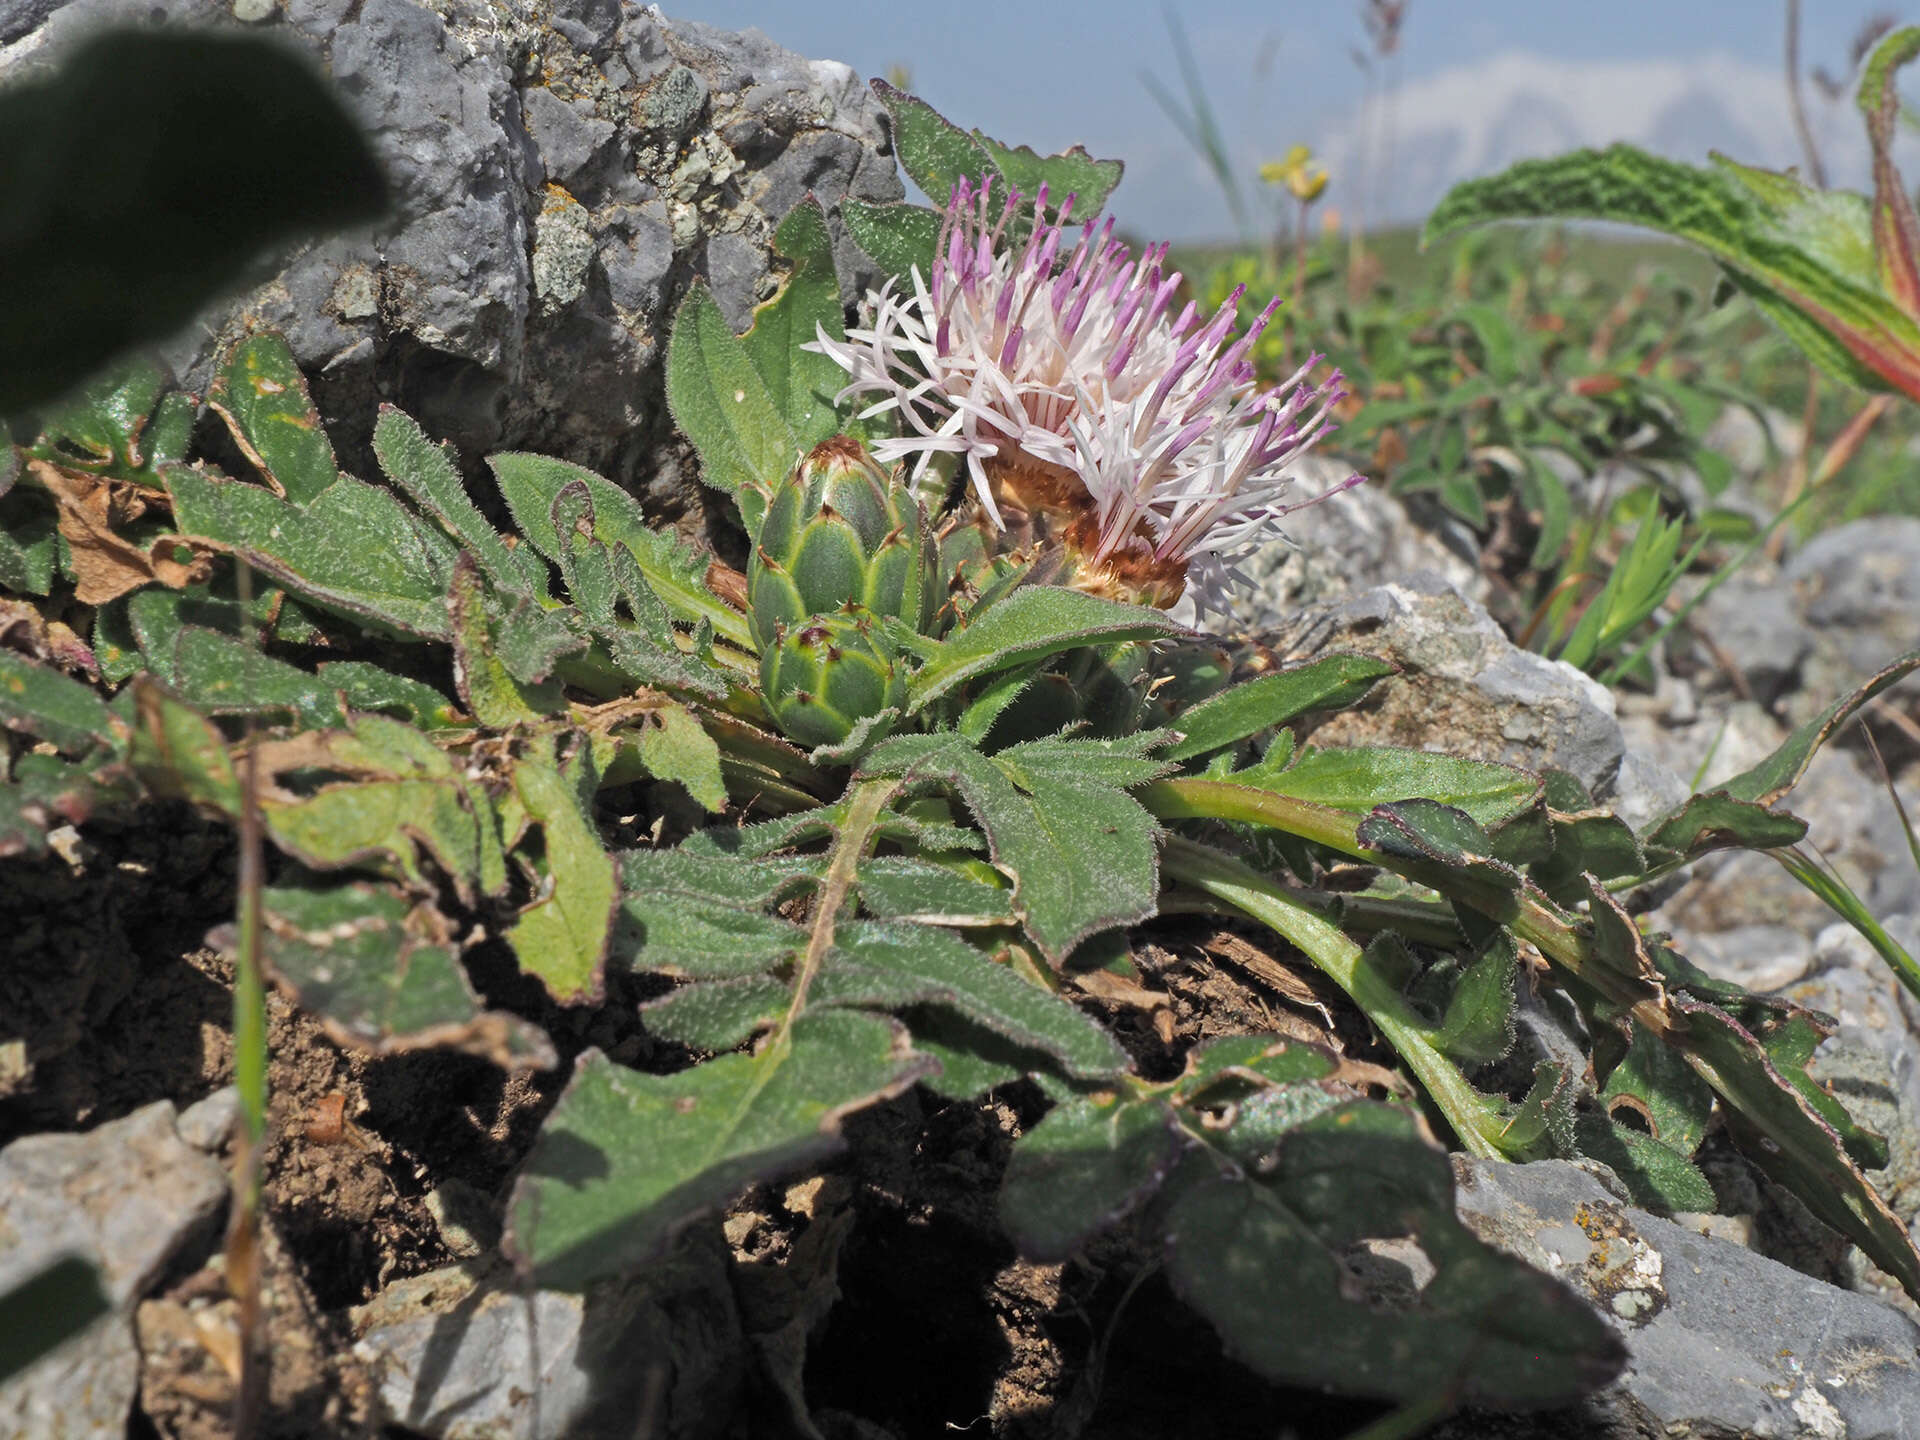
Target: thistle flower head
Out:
[1056,373]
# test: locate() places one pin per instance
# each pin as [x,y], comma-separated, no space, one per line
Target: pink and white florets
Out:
[1066,391]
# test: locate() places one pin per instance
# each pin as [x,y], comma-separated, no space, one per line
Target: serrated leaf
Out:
[1806,256]
[178,753]
[1262,1260]
[627,1160]
[1738,813]
[717,1015]
[481,644]
[701,917]
[355,549]
[1426,830]
[899,887]
[1717,821]
[1087,1165]
[1774,776]
[1653,1081]
[1028,625]
[562,936]
[1476,1026]
[39,701]
[1586,841]
[102,419]
[1080,853]
[380,972]
[261,389]
[1121,762]
[401,796]
[1256,1060]
[1783,1132]
[721,404]
[801,383]
[940,969]
[1331,682]
[899,237]
[1361,778]
[675,747]
[1072,172]
[935,153]
[224,676]
[427,475]
[365,686]
[531,483]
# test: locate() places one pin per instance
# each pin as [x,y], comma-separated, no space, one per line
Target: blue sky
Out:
[1482,81]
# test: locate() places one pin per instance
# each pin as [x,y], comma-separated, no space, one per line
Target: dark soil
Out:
[938,1327]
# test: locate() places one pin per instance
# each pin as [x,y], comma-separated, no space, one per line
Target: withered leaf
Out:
[106,565]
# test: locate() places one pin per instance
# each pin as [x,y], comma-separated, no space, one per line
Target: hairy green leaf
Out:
[721,403]
[562,936]
[1331,682]
[627,1160]
[675,747]
[380,972]
[801,383]
[1028,625]
[532,483]
[1092,1161]
[1262,1259]
[41,702]
[938,968]
[935,153]
[355,549]
[426,473]
[1079,850]
[1782,1130]
[1806,256]
[1360,778]
[262,392]
[899,237]
[1072,172]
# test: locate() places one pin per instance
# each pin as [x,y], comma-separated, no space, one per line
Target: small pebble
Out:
[210,1124]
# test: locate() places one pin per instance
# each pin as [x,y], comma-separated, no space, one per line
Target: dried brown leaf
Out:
[106,565]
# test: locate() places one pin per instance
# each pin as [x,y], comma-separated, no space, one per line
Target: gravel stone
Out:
[129,1196]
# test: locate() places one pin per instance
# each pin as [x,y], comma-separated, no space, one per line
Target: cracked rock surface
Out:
[1723,1341]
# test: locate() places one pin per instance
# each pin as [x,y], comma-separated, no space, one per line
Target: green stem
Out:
[1345,964]
[250,1073]
[1526,912]
[865,803]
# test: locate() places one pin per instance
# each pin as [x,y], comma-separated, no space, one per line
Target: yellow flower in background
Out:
[1304,176]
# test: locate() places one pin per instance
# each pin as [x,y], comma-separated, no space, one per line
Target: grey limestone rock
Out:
[1723,1341]
[1858,587]
[129,1195]
[469,1353]
[564,171]
[1465,688]
[1756,626]
[1351,541]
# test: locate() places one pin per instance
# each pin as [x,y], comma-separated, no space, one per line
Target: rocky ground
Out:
[605,157]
